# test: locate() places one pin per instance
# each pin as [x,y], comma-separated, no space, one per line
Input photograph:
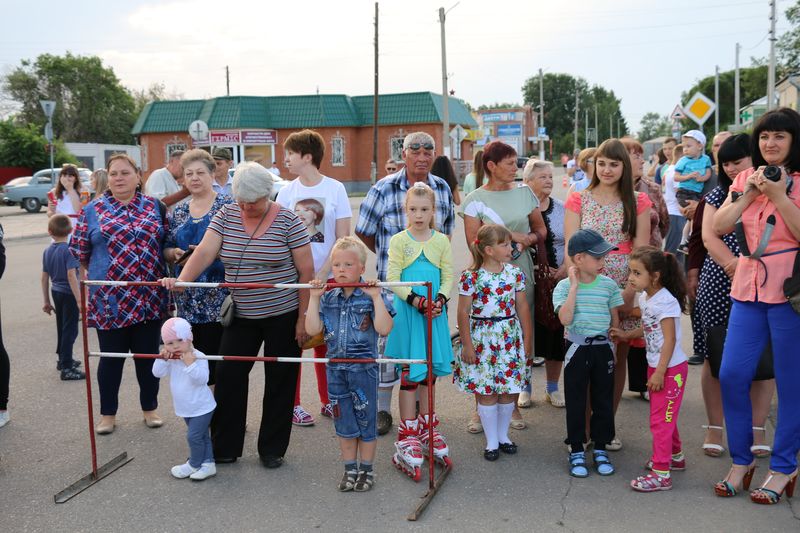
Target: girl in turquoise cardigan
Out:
[419,253]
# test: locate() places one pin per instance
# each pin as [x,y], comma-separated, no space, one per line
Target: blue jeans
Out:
[353,394]
[673,239]
[199,438]
[750,326]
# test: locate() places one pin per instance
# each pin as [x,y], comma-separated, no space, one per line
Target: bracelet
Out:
[410,299]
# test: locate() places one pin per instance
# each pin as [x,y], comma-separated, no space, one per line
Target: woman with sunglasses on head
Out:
[763,206]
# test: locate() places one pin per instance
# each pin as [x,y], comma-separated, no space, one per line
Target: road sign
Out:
[590,135]
[48,106]
[542,131]
[198,130]
[699,108]
[48,132]
[677,113]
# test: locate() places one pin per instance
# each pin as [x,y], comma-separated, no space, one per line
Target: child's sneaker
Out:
[301,417]
[75,364]
[205,471]
[4,418]
[365,481]
[183,471]
[71,374]
[652,482]
[326,411]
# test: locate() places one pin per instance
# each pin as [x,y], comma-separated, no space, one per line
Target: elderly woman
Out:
[538,175]
[502,202]
[187,226]
[760,312]
[714,306]
[258,241]
[120,236]
[65,198]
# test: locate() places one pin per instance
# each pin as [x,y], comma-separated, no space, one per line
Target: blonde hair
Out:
[488,235]
[677,153]
[422,190]
[351,243]
[532,166]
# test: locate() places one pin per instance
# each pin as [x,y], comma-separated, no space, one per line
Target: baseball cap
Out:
[590,242]
[697,135]
[222,153]
[176,328]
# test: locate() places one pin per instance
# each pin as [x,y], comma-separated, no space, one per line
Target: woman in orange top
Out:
[760,311]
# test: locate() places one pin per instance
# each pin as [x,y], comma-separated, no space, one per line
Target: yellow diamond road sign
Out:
[699,108]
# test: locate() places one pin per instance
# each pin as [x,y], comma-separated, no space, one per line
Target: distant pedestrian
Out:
[274,169]
[391,166]
[223,181]
[166,184]
[60,269]
[5,367]
[67,197]
[476,178]
[98,182]
[191,397]
[443,167]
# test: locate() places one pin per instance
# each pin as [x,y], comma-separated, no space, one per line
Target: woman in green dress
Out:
[502,201]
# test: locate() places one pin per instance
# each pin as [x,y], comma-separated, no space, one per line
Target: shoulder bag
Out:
[545,282]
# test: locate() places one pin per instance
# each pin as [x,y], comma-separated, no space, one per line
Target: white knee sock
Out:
[504,412]
[488,414]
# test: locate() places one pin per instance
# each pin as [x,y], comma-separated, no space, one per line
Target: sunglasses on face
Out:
[417,146]
[391,169]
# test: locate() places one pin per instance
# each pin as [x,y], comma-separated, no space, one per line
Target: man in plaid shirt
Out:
[382,215]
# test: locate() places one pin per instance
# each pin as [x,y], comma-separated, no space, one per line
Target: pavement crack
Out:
[563,503]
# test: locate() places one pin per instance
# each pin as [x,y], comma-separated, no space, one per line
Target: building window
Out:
[173,146]
[337,151]
[396,148]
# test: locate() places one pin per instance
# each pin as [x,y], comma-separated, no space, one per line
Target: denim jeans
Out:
[199,438]
[353,394]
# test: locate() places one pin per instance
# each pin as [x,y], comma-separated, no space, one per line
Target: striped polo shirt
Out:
[267,259]
[593,304]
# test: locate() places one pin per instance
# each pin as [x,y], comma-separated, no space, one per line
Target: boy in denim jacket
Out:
[352,319]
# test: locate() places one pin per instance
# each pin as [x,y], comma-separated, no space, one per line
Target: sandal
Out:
[518,423]
[711,449]
[556,398]
[524,400]
[761,451]
[577,465]
[508,447]
[474,426]
[365,481]
[652,482]
[615,445]
[348,481]
[602,464]
[765,496]
[726,489]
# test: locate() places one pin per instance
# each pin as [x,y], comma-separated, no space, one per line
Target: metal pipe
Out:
[88,372]
[431,409]
[196,284]
[268,359]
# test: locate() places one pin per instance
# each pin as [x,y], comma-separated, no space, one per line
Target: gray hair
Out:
[532,166]
[418,137]
[251,182]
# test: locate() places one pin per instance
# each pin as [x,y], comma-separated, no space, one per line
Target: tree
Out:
[559,109]
[789,42]
[156,92]
[25,146]
[653,125]
[91,104]
[497,105]
[753,83]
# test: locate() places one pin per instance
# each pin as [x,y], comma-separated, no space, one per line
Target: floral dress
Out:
[501,365]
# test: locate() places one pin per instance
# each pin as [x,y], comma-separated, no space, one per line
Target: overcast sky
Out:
[646,51]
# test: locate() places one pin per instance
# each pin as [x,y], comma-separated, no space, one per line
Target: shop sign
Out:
[225,137]
[250,137]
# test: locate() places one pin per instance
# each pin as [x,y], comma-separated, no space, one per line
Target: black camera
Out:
[515,253]
[772,173]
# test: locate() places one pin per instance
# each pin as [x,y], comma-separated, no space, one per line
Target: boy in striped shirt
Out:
[587,304]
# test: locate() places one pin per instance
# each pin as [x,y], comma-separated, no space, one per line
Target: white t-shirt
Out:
[662,305]
[320,207]
[668,177]
[161,183]
[190,393]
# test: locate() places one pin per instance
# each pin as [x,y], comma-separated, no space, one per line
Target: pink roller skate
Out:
[408,454]
[440,450]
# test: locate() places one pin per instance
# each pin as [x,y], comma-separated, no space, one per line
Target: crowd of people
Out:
[595,285]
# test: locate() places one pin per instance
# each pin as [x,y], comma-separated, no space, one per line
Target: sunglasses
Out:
[391,169]
[417,146]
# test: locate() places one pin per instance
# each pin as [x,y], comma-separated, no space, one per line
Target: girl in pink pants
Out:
[662,300]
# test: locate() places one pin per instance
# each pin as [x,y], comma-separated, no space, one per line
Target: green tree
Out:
[497,105]
[25,146]
[559,109]
[789,42]
[753,83]
[653,125]
[91,104]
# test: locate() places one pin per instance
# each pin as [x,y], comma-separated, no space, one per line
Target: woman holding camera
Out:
[767,204]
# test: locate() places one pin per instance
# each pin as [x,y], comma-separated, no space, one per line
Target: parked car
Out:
[13,183]
[521,161]
[31,194]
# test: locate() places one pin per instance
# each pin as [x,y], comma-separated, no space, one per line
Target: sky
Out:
[646,51]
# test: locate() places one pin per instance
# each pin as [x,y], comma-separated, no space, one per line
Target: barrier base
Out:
[87,481]
[428,496]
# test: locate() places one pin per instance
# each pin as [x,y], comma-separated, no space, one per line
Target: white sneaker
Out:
[524,399]
[206,470]
[183,471]
[4,418]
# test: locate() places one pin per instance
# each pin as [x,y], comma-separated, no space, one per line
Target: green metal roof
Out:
[289,112]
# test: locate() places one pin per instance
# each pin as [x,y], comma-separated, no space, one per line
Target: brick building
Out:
[254,127]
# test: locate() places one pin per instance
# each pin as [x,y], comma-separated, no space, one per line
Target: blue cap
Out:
[590,242]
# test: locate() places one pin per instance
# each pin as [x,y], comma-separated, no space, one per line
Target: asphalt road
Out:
[45,448]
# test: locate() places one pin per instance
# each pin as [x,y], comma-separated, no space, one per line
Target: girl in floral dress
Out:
[496,335]
[621,215]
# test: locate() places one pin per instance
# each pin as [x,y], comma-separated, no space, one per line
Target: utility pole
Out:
[596,131]
[586,127]
[736,120]
[716,99]
[619,119]
[445,102]
[610,126]
[575,134]
[771,70]
[227,81]
[541,114]
[374,169]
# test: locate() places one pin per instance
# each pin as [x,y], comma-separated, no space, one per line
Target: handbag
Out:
[544,283]
[715,344]
[791,286]
[227,310]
